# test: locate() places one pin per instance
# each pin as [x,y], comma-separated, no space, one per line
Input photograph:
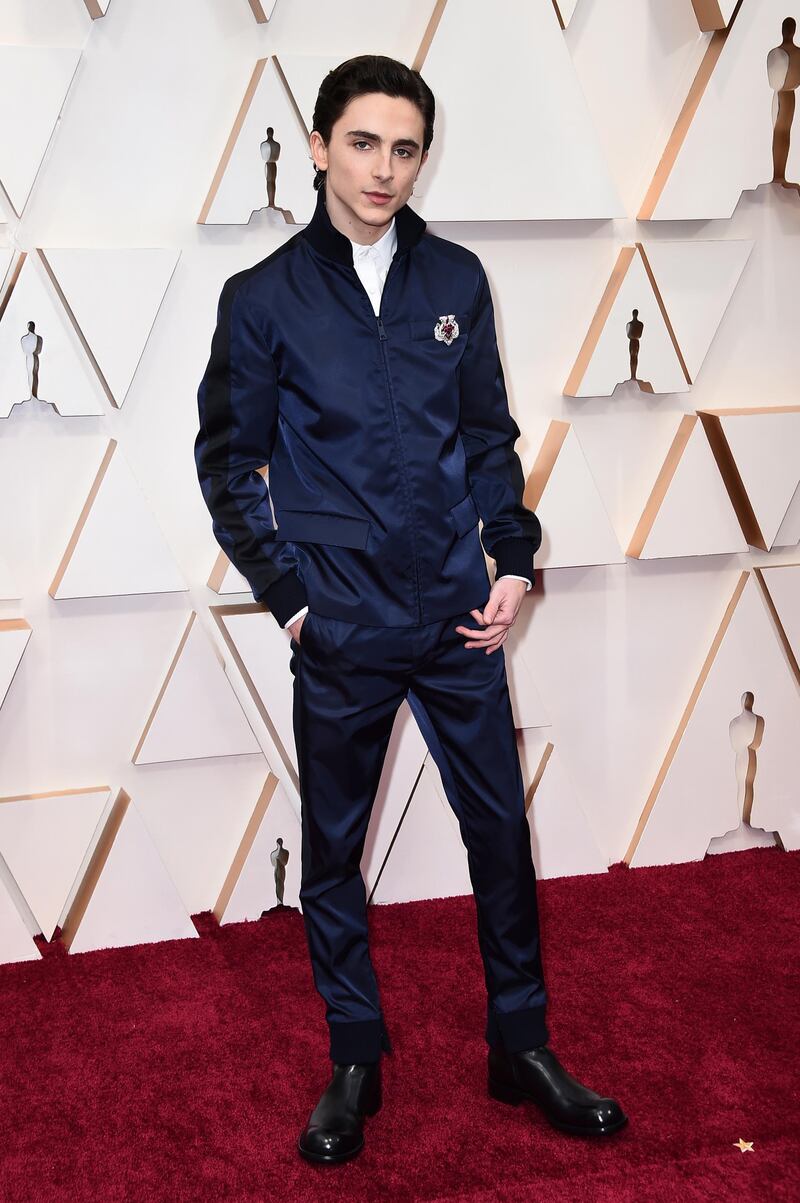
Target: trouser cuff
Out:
[517,1030]
[358,1041]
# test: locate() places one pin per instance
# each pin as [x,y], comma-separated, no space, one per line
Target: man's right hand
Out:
[296,627]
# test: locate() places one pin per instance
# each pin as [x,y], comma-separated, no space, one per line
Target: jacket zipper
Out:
[381,338]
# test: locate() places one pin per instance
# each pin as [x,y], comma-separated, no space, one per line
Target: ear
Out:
[318,150]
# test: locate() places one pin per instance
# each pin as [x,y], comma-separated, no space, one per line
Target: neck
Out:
[348,223]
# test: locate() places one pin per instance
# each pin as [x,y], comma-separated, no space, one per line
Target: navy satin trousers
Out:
[349,681]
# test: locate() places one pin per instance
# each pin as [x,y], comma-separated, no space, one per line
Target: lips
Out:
[378,195]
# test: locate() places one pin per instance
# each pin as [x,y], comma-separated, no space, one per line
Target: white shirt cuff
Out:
[294,616]
[514,577]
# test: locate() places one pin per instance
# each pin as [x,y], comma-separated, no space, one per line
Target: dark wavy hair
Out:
[369,73]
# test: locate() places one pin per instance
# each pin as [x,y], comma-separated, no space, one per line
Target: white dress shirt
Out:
[372,265]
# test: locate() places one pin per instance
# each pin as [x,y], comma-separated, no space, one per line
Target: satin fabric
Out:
[385,444]
[349,681]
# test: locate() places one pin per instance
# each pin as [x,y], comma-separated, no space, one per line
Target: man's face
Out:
[375,148]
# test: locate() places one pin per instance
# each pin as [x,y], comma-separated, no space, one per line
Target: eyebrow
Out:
[365,133]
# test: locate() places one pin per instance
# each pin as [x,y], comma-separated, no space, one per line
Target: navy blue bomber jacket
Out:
[387,437]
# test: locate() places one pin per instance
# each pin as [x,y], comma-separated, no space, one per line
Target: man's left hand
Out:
[497,616]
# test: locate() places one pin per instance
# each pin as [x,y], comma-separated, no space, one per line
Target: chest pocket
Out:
[425,328]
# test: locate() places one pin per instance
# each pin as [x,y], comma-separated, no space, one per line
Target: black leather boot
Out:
[334,1129]
[537,1074]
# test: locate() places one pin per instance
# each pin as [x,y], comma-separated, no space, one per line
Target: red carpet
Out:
[185,1070]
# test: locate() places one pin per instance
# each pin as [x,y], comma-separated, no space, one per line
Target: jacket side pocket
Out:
[464,514]
[307,526]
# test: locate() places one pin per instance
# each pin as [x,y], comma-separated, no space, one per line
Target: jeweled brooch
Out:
[446,329]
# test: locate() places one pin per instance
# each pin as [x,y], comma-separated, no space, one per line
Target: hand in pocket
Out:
[296,627]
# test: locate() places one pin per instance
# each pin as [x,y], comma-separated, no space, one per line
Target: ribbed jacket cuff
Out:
[285,597]
[514,556]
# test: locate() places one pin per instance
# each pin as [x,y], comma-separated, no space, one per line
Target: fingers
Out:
[492,645]
[484,636]
[489,638]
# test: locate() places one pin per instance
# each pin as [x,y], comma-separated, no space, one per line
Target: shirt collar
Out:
[382,250]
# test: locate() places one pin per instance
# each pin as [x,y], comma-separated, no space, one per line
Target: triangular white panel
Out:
[526,702]
[766,449]
[696,280]
[6,256]
[695,516]
[114,296]
[576,529]
[303,74]
[14,636]
[605,358]
[117,547]
[695,795]
[196,713]
[255,888]
[782,582]
[64,375]
[9,589]
[240,187]
[34,81]
[748,834]
[15,939]
[133,899]
[716,14]
[486,69]
[43,840]
[789,530]
[262,9]
[732,125]
[263,652]
[562,841]
[565,9]
[776,804]
[428,858]
[224,578]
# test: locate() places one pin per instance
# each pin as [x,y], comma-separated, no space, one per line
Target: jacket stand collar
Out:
[325,238]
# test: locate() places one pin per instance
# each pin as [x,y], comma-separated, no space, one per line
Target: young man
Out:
[360,361]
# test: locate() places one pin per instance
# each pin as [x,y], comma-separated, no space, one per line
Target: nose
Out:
[383,171]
